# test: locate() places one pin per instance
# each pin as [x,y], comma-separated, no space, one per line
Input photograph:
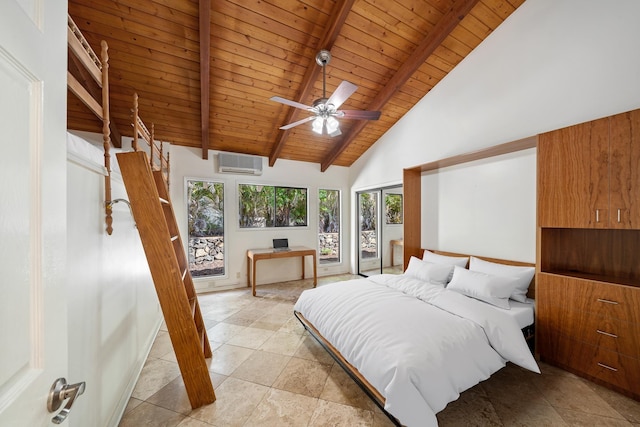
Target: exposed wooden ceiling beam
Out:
[428,45]
[339,15]
[80,72]
[205,51]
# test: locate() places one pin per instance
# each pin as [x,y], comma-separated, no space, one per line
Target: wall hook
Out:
[109,204]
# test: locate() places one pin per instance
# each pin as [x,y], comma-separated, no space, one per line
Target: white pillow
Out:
[522,273]
[429,272]
[494,290]
[448,260]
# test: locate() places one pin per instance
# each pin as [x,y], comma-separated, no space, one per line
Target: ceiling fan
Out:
[325,110]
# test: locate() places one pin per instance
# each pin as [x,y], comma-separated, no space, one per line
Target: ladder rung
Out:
[184,274]
[192,304]
[203,346]
[199,325]
[165,201]
[174,238]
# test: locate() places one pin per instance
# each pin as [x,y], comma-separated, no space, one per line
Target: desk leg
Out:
[302,258]
[253,282]
[392,245]
[248,271]
[315,271]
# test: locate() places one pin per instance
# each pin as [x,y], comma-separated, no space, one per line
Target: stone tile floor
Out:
[267,371]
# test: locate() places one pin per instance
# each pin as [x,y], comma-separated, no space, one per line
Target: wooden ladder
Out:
[156,223]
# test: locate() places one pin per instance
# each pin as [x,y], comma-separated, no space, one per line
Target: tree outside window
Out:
[205,206]
[329,225]
[264,206]
[393,208]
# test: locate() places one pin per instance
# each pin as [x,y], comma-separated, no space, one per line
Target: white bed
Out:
[415,344]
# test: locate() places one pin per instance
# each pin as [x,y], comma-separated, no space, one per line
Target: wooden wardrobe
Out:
[588,284]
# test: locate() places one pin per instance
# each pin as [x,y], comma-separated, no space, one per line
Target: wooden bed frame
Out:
[156,152]
[369,390]
[97,69]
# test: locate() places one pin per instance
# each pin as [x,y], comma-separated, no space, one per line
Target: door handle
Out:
[61,391]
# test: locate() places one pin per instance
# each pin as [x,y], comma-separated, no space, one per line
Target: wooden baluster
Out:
[106,135]
[134,143]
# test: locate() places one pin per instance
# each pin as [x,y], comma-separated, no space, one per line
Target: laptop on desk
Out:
[281,245]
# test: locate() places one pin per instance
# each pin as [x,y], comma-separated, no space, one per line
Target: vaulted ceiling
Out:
[211,89]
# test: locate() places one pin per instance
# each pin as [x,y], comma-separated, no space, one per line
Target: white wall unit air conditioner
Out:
[239,164]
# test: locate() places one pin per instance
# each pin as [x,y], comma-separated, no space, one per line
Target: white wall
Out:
[188,163]
[491,200]
[551,64]
[113,310]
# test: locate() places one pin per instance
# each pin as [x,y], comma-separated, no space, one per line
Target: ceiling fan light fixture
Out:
[317,125]
[332,125]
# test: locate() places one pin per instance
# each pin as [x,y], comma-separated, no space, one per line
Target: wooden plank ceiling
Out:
[395,51]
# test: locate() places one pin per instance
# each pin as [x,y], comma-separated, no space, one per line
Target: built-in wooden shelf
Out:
[594,254]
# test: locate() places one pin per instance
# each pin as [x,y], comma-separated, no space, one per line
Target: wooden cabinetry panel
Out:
[596,298]
[588,285]
[590,328]
[625,170]
[564,171]
[609,333]
[597,362]
[589,174]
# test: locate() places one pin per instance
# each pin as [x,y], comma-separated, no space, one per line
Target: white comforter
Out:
[418,344]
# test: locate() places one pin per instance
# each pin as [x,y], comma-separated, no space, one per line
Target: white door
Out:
[33,313]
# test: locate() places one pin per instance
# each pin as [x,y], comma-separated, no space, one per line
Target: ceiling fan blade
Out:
[358,114]
[290,103]
[299,122]
[344,91]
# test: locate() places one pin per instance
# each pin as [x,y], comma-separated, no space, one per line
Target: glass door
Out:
[380,231]
[369,260]
[392,231]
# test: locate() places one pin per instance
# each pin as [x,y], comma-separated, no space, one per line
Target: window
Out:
[263,206]
[205,205]
[329,226]
[393,208]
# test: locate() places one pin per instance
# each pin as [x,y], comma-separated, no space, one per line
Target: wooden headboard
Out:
[532,287]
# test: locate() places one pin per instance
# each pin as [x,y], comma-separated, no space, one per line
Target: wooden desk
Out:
[254,255]
[393,243]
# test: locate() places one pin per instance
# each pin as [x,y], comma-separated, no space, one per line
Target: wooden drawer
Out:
[597,362]
[609,333]
[580,295]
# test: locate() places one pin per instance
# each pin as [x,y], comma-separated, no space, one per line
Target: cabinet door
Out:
[625,170]
[573,186]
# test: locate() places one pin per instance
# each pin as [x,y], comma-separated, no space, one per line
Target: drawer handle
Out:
[602,365]
[606,333]
[606,301]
